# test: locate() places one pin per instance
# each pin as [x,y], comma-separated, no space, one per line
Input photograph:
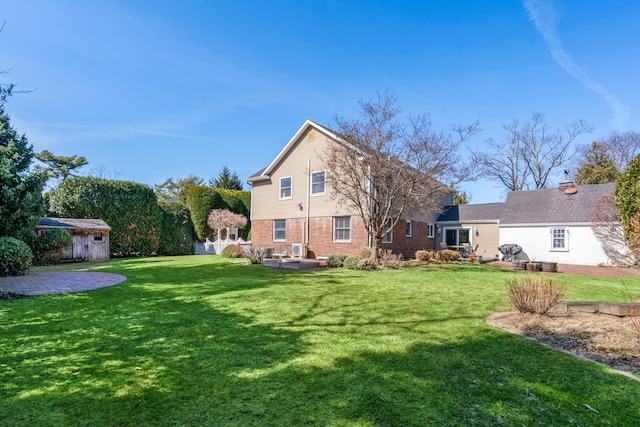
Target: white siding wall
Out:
[583,247]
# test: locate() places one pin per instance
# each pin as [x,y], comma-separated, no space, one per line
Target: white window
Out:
[430,231]
[318,186]
[279,230]
[389,237]
[342,229]
[559,239]
[409,231]
[285,187]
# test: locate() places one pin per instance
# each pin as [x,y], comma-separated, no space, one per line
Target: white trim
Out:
[471,221]
[565,239]
[547,224]
[290,188]
[333,231]
[409,226]
[273,233]
[324,183]
[431,227]
[291,143]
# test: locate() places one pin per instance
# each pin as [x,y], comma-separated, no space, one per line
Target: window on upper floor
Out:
[285,187]
[318,184]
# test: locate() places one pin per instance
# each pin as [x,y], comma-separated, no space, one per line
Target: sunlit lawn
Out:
[206,341]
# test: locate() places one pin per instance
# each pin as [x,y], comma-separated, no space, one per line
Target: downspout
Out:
[306,225]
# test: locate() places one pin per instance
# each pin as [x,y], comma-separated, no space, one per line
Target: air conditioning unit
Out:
[298,250]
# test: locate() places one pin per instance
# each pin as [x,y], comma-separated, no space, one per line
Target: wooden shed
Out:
[90,237]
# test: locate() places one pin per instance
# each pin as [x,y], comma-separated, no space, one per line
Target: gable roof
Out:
[266,172]
[553,205]
[74,223]
[486,212]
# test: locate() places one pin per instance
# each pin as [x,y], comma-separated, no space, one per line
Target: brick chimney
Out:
[565,184]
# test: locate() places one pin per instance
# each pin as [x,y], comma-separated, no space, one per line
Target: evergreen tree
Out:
[21,203]
[461,198]
[59,167]
[598,167]
[227,180]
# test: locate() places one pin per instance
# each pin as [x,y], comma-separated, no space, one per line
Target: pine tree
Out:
[21,203]
[597,167]
[226,180]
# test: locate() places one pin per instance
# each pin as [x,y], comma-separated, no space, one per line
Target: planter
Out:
[519,265]
[533,266]
[549,267]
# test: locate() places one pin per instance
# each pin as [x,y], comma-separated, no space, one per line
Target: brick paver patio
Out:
[61,282]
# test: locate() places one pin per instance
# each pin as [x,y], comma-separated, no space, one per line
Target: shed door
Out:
[80,247]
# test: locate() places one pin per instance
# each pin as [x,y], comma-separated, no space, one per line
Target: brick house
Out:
[292,206]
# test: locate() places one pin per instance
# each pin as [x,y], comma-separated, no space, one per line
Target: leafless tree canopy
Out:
[529,153]
[223,218]
[385,167]
[607,228]
[622,147]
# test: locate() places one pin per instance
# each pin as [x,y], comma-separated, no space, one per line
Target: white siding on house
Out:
[583,247]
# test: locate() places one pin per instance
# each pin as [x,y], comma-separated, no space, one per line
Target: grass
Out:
[208,341]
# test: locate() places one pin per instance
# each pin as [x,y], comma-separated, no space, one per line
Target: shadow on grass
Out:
[156,351]
[93,360]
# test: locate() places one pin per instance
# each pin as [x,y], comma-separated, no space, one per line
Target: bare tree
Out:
[530,152]
[607,228]
[385,167]
[622,147]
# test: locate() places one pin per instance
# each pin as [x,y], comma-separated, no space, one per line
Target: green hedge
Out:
[130,208]
[201,200]
[628,198]
[178,234]
[236,201]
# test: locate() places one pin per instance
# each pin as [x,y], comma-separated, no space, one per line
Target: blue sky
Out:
[153,89]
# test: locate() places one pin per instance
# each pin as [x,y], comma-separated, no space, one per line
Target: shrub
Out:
[424,255]
[388,259]
[366,264]
[365,253]
[447,255]
[201,200]
[15,257]
[48,245]
[256,255]
[535,294]
[336,260]
[351,262]
[231,251]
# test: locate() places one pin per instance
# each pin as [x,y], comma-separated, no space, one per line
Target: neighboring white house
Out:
[554,224]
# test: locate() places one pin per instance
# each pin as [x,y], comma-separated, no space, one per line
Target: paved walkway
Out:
[61,282]
[585,270]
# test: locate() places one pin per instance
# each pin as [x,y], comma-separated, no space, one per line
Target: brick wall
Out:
[321,237]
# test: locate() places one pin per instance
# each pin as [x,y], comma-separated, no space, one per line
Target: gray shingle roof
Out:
[470,213]
[552,205]
[74,223]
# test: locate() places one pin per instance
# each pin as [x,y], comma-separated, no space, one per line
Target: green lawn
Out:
[205,341]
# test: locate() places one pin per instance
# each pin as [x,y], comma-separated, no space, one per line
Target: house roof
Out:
[472,213]
[553,205]
[266,172]
[74,223]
